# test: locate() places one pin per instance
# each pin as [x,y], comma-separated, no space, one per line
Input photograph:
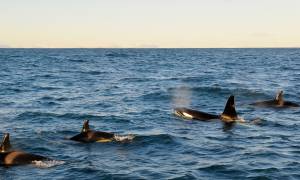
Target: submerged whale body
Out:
[229,114]
[88,135]
[277,102]
[9,157]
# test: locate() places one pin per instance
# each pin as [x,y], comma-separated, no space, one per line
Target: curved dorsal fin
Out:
[86,126]
[279,98]
[5,145]
[230,108]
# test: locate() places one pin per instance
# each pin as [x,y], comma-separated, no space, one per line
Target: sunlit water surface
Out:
[45,94]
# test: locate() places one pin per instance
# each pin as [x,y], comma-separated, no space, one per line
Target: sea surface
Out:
[46,94]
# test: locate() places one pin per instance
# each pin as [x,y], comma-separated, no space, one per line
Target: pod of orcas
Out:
[9,157]
[229,114]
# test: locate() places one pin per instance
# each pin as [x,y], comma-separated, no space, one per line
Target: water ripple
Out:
[45,94]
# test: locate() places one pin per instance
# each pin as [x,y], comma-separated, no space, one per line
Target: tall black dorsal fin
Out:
[86,126]
[279,98]
[230,108]
[5,145]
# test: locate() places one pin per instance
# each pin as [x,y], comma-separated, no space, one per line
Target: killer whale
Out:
[10,157]
[87,135]
[229,114]
[277,102]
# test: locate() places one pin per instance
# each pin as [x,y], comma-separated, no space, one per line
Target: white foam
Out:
[241,120]
[47,164]
[124,137]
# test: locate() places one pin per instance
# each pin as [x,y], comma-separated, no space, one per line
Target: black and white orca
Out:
[229,114]
[87,135]
[10,157]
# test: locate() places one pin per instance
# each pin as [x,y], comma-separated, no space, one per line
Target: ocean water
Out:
[45,94]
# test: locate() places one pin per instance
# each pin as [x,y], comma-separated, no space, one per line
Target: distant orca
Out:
[88,135]
[229,114]
[8,157]
[278,101]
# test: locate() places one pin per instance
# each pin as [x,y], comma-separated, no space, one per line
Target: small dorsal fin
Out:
[5,145]
[279,98]
[230,108]
[86,126]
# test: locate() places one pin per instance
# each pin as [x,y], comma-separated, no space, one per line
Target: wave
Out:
[50,98]
[214,167]
[148,79]
[77,60]
[30,114]
[47,163]
[124,138]
[185,176]
[6,103]
[216,89]
[49,103]
[156,96]
[281,125]
[46,88]
[133,79]
[123,55]
[265,170]
[14,90]
[47,115]
[14,56]
[94,72]
[156,138]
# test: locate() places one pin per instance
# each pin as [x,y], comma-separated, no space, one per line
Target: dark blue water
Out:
[45,94]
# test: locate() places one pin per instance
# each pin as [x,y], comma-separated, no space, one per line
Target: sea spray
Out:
[181,97]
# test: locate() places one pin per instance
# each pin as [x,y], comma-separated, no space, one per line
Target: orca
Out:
[10,157]
[87,135]
[277,102]
[229,114]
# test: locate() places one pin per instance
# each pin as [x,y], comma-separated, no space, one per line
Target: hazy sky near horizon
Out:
[149,23]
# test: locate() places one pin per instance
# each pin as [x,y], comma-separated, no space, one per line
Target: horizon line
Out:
[267,47]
